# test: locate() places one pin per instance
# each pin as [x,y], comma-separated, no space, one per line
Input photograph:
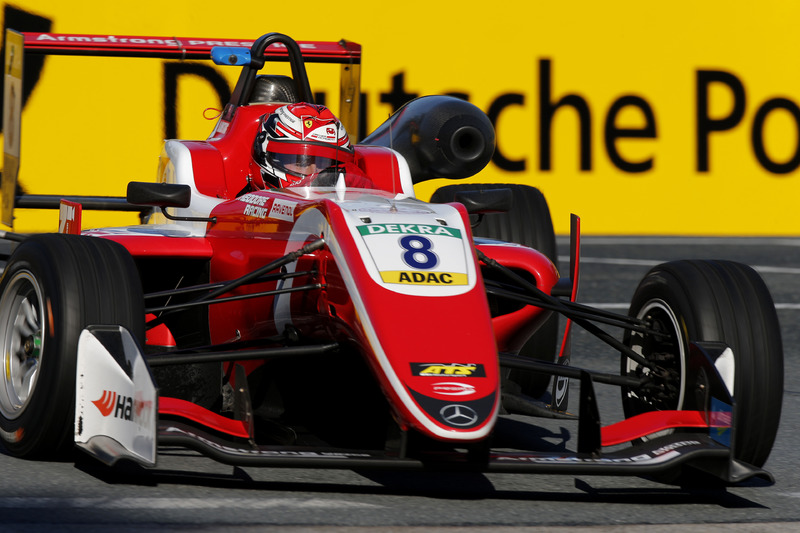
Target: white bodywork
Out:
[116,402]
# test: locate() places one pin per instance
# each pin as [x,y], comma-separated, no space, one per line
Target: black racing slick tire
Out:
[719,301]
[528,223]
[55,285]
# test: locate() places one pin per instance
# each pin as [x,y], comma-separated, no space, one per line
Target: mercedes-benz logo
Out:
[458,415]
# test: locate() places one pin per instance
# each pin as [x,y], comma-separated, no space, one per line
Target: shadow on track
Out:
[442,486]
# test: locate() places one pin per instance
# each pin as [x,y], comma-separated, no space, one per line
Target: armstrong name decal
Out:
[177,42]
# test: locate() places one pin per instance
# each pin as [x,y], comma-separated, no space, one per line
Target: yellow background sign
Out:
[641,118]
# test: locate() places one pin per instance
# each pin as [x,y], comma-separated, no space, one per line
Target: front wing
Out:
[112,430]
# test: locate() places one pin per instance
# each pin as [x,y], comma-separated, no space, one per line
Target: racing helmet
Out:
[297,141]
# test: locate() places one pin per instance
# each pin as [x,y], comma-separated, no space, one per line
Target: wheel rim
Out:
[667,351]
[22,342]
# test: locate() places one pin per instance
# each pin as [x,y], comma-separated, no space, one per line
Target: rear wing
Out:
[19,44]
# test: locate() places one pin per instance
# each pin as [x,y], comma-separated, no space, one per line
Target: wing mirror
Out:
[159,194]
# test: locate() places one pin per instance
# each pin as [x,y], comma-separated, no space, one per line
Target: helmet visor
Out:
[304,159]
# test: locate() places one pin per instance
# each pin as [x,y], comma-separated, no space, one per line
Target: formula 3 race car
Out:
[340,327]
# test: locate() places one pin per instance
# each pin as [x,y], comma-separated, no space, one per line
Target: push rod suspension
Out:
[176,307]
[577,310]
[558,305]
[247,278]
[211,286]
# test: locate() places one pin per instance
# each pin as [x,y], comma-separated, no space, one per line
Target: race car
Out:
[340,326]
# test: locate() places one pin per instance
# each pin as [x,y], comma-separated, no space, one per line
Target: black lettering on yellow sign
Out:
[548,108]
[706,125]
[21,20]
[448,370]
[430,277]
[407,277]
[172,72]
[464,370]
[550,105]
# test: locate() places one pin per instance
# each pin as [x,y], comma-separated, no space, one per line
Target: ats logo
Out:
[464,370]
[121,406]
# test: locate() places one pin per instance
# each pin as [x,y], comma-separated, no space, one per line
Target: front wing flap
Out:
[665,454]
[117,416]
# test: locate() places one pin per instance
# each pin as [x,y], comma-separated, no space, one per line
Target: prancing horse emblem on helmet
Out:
[458,415]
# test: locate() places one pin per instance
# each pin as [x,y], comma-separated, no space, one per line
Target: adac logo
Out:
[111,402]
[464,370]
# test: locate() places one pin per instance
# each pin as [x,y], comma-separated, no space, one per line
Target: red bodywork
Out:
[368,272]
[424,349]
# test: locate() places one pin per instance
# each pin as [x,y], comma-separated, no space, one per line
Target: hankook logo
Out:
[458,415]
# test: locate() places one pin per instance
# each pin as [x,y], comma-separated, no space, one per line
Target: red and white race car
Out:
[334,326]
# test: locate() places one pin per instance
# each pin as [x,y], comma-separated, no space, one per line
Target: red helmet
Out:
[298,140]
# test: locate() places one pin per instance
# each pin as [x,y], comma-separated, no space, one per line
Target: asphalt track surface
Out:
[188,492]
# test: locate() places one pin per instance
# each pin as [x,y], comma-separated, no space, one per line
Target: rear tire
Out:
[528,223]
[713,301]
[52,288]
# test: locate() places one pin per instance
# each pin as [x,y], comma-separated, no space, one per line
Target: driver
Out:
[302,145]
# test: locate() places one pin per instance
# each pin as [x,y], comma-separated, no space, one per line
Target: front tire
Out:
[712,301]
[52,288]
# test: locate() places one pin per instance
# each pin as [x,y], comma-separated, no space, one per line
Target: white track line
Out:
[651,263]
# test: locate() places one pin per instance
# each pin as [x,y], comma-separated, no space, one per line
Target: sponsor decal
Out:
[642,458]
[458,415]
[466,370]
[44,37]
[50,37]
[660,455]
[256,206]
[69,217]
[674,446]
[420,278]
[118,406]
[721,420]
[311,454]
[562,386]
[105,404]
[418,260]
[282,210]
[464,413]
[452,388]
[409,229]
[254,199]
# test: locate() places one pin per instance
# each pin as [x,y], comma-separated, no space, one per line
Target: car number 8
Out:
[418,252]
